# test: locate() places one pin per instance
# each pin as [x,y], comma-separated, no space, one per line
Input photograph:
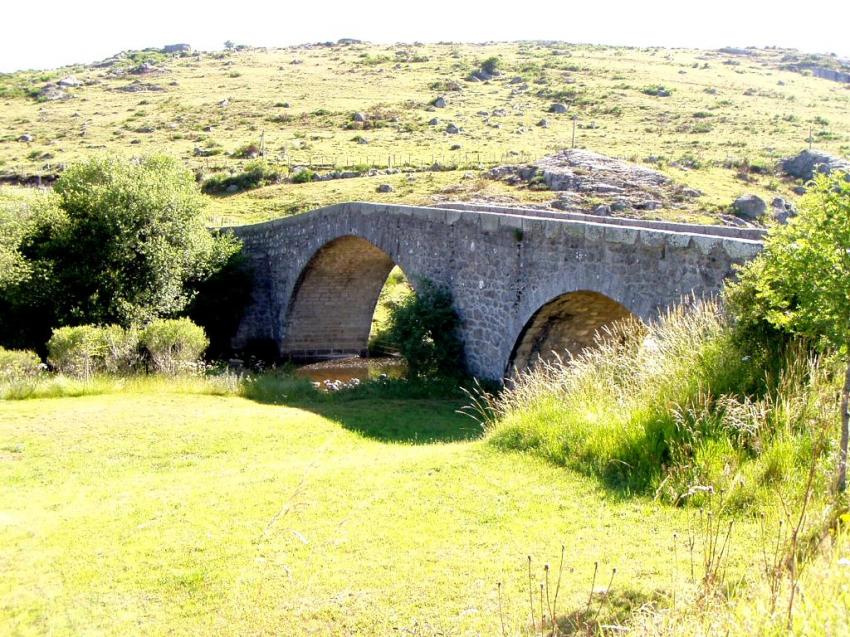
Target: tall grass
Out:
[671,409]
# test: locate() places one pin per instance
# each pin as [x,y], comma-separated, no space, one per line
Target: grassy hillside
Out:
[717,121]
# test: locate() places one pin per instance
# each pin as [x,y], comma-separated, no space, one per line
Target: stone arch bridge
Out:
[524,282]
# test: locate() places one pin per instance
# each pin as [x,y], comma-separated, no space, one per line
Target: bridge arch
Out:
[334,298]
[565,324]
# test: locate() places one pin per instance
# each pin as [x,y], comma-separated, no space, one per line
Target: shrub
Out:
[303,176]
[77,351]
[424,328]
[120,349]
[84,350]
[120,242]
[18,364]
[174,345]
[256,175]
[490,65]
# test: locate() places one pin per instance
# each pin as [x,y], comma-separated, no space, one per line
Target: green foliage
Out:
[85,350]
[174,345]
[662,408]
[800,284]
[17,365]
[424,328]
[220,303]
[120,242]
[656,90]
[303,176]
[491,65]
[256,175]
[77,350]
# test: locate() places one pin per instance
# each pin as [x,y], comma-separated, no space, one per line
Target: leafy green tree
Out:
[119,242]
[424,327]
[800,283]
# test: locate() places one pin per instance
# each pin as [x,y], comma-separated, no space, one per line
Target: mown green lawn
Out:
[146,513]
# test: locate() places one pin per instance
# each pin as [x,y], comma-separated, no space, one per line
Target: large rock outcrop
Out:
[810,162]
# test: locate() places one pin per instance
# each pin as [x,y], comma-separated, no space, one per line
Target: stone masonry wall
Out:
[501,268]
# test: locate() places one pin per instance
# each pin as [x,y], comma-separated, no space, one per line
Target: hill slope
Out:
[715,120]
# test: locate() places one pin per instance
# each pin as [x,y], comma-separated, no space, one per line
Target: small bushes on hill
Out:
[256,175]
[303,176]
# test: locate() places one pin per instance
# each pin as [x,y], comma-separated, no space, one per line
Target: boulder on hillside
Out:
[69,82]
[557,107]
[810,162]
[750,207]
[177,48]
[782,210]
[440,102]
[52,93]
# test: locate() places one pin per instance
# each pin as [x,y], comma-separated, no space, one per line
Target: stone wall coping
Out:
[678,234]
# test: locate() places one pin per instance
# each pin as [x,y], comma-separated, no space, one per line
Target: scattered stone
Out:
[749,207]
[543,123]
[177,48]
[143,69]
[440,102]
[799,190]
[516,80]
[455,147]
[692,193]
[810,162]
[296,61]
[52,93]
[359,117]
[434,121]
[385,188]
[362,140]
[451,129]
[224,103]
[69,82]
[26,137]
[558,107]
[649,204]
[208,129]
[782,210]
[583,180]
[619,205]
[139,87]
[602,210]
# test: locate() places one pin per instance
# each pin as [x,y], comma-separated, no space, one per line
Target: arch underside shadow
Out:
[564,326]
[330,314]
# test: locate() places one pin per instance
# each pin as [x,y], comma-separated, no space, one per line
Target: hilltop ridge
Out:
[428,121]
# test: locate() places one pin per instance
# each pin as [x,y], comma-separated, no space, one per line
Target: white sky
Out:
[50,33]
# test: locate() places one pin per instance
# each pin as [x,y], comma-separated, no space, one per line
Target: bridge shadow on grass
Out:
[391,411]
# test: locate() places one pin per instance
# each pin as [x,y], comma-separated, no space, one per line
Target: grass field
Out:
[722,125]
[169,513]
